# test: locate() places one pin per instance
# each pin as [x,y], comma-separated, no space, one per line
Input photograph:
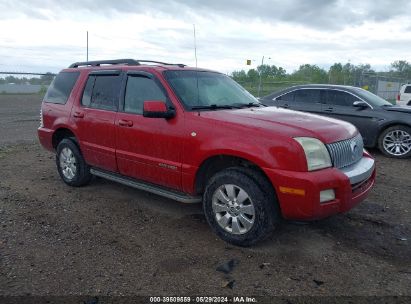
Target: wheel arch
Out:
[60,134]
[392,124]
[217,163]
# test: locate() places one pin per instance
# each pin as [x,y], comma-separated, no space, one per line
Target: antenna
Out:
[87,46]
[195,43]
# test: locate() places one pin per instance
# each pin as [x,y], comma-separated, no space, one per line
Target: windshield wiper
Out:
[212,107]
[249,105]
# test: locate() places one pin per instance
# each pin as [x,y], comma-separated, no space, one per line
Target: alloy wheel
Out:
[233,209]
[68,163]
[397,142]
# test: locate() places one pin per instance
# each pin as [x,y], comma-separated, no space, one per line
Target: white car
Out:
[404,97]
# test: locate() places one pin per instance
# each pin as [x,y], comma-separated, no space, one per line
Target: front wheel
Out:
[71,165]
[395,141]
[240,206]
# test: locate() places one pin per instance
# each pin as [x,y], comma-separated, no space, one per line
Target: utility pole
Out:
[87,46]
[259,83]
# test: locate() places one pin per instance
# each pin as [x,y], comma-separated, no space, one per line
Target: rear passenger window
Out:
[102,92]
[86,100]
[307,96]
[60,89]
[139,89]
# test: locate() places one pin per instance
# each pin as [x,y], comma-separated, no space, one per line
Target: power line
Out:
[27,73]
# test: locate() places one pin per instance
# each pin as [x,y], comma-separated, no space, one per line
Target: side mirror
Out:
[360,104]
[157,109]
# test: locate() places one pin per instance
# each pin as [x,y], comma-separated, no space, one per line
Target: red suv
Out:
[195,135]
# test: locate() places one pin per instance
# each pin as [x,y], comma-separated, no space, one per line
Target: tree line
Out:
[338,73]
[42,80]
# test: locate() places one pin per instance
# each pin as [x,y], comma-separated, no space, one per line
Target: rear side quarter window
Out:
[407,89]
[60,89]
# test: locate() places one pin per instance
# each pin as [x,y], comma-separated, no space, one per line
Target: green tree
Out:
[252,75]
[335,74]
[310,73]
[401,68]
[239,75]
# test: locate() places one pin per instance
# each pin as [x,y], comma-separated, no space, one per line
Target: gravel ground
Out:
[107,239]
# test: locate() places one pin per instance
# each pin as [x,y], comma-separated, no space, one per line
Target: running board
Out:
[178,196]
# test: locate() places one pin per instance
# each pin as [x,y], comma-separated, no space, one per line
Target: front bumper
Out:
[351,185]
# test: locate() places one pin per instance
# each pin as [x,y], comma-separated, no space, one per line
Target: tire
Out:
[70,163]
[395,141]
[260,206]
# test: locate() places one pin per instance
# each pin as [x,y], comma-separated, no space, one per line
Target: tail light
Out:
[398,97]
[41,118]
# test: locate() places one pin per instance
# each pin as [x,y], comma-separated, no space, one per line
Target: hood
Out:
[287,123]
[404,109]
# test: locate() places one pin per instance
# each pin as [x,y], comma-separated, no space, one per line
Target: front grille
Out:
[346,152]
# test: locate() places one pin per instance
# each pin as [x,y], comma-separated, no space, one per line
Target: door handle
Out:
[330,109]
[125,123]
[78,114]
[285,105]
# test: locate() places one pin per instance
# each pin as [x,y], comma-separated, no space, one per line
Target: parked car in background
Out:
[404,96]
[195,135]
[380,123]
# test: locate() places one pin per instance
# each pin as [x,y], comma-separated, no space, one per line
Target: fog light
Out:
[327,195]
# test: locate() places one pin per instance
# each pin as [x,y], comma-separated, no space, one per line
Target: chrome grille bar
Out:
[346,152]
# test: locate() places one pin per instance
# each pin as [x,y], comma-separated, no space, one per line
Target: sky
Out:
[47,36]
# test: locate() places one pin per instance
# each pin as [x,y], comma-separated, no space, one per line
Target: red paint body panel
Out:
[150,149]
[155,106]
[169,152]
[308,207]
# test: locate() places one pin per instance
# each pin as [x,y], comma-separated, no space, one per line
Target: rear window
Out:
[60,89]
[407,89]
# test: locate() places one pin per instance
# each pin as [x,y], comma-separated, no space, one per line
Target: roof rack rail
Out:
[120,61]
[162,63]
[100,62]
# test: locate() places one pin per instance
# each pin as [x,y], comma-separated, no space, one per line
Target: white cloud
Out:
[49,35]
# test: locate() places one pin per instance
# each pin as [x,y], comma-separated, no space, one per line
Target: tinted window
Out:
[339,98]
[287,97]
[138,90]
[102,92]
[407,89]
[308,96]
[60,89]
[86,100]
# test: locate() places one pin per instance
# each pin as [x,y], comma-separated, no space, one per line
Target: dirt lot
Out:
[107,239]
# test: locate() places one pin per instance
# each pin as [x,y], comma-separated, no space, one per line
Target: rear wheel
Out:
[239,206]
[71,165]
[395,141]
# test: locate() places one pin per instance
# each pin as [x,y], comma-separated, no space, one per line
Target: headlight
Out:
[315,152]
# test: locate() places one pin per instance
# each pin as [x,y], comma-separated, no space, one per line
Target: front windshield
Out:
[371,98]
[208,89]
